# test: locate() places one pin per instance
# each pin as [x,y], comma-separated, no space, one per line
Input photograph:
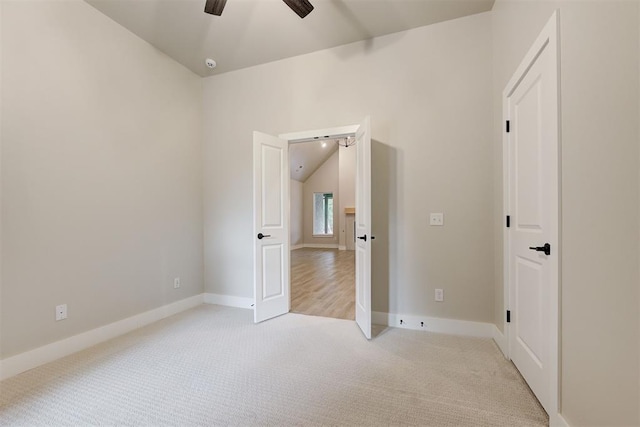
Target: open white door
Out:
[363,227]
[271,226]
[532,257]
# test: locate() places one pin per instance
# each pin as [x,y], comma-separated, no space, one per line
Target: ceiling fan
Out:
[301,7]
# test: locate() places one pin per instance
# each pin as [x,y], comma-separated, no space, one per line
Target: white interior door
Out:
[271,226]
[532,141]
[363,227]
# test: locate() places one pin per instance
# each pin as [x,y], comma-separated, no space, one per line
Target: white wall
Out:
[427,91]
[101,173]
[347,188]
[600,196]
[295,213]
[323,180]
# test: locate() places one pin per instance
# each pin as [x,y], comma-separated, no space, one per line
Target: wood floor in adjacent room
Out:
[323,282]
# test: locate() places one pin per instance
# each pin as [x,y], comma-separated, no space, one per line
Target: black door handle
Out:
[546,248]
[261,236]
[363,237]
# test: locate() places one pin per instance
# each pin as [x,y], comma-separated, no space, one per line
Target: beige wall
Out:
[295,213]
[347,188]
[323,180]
[600,193]
[427,91]
[101,173]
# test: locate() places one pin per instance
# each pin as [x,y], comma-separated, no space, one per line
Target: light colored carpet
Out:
[213,366]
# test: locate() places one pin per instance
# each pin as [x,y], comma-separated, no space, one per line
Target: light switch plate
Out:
[436,219]
[439,296]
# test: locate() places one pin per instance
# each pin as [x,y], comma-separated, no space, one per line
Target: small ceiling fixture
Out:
[210,63]
[346,142]
[301,7]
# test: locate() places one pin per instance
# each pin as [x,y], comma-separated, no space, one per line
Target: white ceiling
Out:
[306,157]
[252,32]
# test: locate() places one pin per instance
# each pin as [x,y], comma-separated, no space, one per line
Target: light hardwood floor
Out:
[323,282]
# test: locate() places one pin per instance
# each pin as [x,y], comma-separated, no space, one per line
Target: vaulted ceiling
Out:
[252,32]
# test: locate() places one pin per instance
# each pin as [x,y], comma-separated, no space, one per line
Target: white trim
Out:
[340,131]
[549,36]
[501,341]
[434,324]
[48,353]
[321,245]
[342,248]
[228,300]
[558,421]
[293,248]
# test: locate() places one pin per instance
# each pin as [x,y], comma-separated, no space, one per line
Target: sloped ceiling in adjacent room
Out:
[306,157]
[252,32]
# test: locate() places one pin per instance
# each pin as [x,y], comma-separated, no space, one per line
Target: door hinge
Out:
[508,316]
[508,221]
[508,126]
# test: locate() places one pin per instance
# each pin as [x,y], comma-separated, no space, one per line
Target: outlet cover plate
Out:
[61,312]
[436,219]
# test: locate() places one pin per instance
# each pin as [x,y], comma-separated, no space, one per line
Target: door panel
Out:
[271,252]
[363,227]
[533,205]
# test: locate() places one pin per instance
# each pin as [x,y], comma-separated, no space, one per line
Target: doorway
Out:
[322,215]
[271,220]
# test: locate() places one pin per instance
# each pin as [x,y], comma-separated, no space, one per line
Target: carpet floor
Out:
[212,366]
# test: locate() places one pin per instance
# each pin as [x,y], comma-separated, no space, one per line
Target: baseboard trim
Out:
[294,247]
[22,362]
[434,324]
[501,340]
[321,245]
[228,300]
[342,248]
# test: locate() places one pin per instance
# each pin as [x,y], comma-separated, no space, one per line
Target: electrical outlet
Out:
[61,312]
[439,295]
[436,219]
[176,283]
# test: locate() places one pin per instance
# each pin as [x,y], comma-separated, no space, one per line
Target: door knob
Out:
[363,237]
[546,248]
[261,236]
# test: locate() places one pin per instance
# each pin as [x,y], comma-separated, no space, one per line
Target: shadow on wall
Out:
[383,206]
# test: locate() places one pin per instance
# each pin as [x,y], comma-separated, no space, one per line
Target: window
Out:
[323,214]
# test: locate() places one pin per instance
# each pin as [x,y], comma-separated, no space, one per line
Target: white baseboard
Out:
[321,245]
[342,248]
[228,300]
[318,246]
[501,340]
[434,324]
[48,353]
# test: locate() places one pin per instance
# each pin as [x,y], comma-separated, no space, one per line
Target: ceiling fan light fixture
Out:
[301,7]
[346,142]
[214,7]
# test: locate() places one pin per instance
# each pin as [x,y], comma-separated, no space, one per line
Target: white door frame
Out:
[548,38]
[308,136]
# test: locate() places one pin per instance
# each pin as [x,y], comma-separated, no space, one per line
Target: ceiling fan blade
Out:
[301,7]
[215,7]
